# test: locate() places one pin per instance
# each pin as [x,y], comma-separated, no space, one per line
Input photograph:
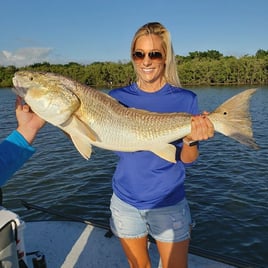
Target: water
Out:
[227,188]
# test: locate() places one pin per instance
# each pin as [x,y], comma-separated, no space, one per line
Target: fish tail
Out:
[232,118]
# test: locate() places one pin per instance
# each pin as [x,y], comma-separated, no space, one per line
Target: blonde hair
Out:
[156,28]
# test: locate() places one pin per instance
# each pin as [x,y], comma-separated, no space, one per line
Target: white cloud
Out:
[24,56]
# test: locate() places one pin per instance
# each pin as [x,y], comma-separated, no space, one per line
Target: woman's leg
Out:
[136,251]
[171,228]
[128,224]
[173,254]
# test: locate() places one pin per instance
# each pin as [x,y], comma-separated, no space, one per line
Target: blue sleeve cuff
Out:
[16,138]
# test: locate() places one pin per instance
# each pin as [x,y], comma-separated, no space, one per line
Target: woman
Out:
[148,192]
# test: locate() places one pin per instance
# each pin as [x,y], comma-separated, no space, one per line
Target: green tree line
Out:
[198,68]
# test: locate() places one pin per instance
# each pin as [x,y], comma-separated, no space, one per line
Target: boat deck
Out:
[75,244]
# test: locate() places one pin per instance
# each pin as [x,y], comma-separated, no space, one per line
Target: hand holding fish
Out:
[201,128]
[28,122]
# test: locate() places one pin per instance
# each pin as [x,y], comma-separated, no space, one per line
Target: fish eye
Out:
[225,113]
[31,78]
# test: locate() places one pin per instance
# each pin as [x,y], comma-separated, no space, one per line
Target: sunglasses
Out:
[153,55]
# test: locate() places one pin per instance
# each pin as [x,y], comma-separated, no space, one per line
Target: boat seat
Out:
[8,249]
[1,197]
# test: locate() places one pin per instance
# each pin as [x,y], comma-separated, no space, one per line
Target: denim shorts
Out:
[167,224]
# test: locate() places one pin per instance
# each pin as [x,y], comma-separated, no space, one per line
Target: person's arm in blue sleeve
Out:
[16,149]
[14,152]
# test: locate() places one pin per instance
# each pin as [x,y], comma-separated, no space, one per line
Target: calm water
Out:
[227,188]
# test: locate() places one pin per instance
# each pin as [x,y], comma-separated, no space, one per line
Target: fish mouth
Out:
[18,89]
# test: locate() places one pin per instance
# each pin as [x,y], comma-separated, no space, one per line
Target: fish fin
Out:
[76,125]
[81,135]
[82,145]
[167,152]
[232,118]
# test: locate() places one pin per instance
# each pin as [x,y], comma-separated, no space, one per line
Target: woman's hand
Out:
[201,128]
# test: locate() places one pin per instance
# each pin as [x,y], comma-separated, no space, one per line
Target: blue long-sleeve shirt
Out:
[14,152]
[143,179]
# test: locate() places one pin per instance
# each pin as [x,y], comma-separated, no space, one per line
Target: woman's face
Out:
[149,60]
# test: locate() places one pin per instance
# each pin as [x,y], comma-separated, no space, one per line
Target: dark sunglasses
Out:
[153,55]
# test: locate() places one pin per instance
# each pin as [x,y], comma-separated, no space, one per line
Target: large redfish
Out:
[91,117]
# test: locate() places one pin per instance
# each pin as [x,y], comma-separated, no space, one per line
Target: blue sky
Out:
[84,31]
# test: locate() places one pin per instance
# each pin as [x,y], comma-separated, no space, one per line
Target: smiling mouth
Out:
[147,70]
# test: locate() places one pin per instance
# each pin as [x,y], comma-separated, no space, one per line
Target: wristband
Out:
[190,143]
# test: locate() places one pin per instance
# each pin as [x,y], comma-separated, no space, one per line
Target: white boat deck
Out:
[71,244]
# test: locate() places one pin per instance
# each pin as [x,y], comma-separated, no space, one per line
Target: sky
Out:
[85,31]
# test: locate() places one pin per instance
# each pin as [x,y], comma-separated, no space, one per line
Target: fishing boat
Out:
[75,242]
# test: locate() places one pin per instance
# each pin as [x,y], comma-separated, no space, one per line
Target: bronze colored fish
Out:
[91,117]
